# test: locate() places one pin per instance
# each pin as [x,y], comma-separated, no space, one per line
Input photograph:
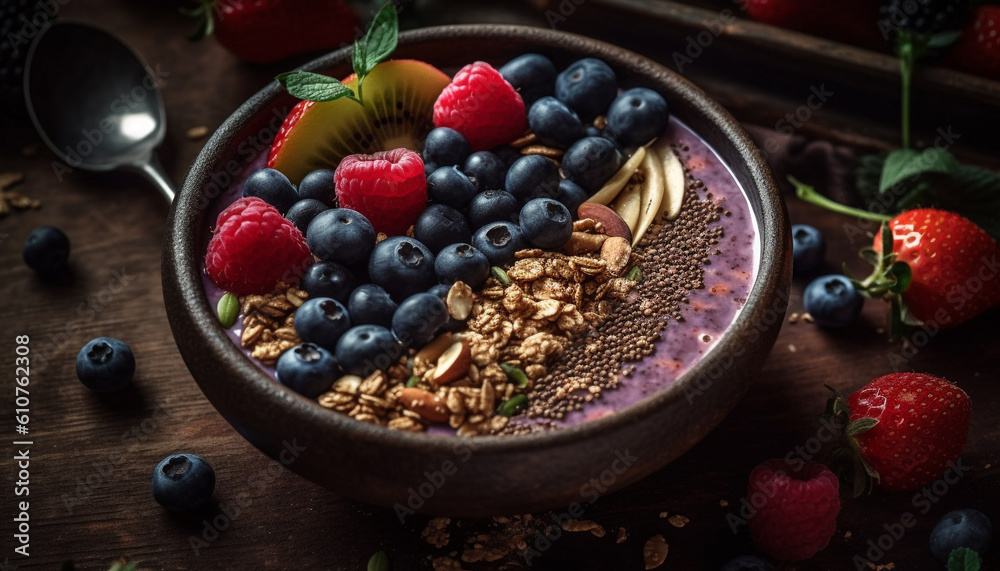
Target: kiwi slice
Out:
[398,112]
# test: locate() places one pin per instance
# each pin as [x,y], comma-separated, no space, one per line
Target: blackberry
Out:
[922,16]
[20,22]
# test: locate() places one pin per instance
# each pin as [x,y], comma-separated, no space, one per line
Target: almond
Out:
[459,301]
[452,364]
[616,252]
[431,351]
[427,405]
[608,218]
[584,242]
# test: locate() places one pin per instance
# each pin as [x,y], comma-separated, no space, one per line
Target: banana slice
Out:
[652,194]
[617,182]
[629,204]
[674,182]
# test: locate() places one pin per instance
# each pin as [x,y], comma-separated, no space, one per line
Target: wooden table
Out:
[92,455]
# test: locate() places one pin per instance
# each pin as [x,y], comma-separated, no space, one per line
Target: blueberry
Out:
[183,482]
[592,131]
[533,176]
[450,186]
[571,195]
[439,225]
[329,279]
[272,187]
[499,241]
[308,368]
[365,349]
[462,262]
[430,167]
[341,235]
[486,170]
[808,249]
[105,365]
[440,290]
[636,117]
[305,211]
[961,528]
[319,185]
[369,304]
[546,223]
[507,154]
[322,320]
[532,75]
[591,161]
[554,123]
[445,147]
[747,563]
[417,318]
[492,206]
[832,301]
[402,266]
[46,250]
[588,86]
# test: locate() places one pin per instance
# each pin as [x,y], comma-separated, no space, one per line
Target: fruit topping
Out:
[832,301]
[183,482]
[554,123]
[462,263]
[402,266]
[674,181]
[499,241]
[105,365]
[492,206]
[364,349]
[322,321]
[253,247]
[272,187]
[319,185]
[302,213]
[808,249]
[450,186]
[486,169]
[445,147]
[440,225]
[636,117]
[46,250]
[388,187]
[341,235]
[482,106]
[532,75]
[588,86]
[369,304]
[417,318]
[591,161]
[308,369]
[532,176]
[329,279]
[546,223]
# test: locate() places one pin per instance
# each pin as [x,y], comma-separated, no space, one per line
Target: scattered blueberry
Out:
[341,235]
[961,528]
[448,185]
[532,176]
[808,249]
[272,187]
[747,563]
[105,365]
[430,167]
[532,75]
[369,304]
[319,185]
[571,195]
[365,349]
[486,170]
[636,117]
[507,154]
[305,211]
[417,318]
[321,321]
[307,369]
[554,123]
[588,86]
[439,225]
[499,241]
[445,147]
[402,266]
[492,206]
[832,301]
[329,279]
[183,482]
[591,161]
[546,223]
[46,250]
[462,262]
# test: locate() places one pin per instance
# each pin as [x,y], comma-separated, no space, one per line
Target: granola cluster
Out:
[268,328]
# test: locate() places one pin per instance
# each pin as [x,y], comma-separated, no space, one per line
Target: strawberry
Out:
[941,266]
[978,48]
[902,429]
[266,31]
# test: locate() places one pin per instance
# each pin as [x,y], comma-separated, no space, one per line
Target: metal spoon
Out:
[95,103]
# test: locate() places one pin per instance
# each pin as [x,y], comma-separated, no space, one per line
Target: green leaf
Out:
[902,275]
[964,559]
[897,325]
[943,39]
[860,425]
[379,562]
[381,39]
[903,164]
[228,309]
[313,86]
[358,58]
[635,274]
[973,192]
[513,406]
[500,275]
[887,240]
[869,255]
[413,381]
[515,375]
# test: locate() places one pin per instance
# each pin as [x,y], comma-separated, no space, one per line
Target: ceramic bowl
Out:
[483,476]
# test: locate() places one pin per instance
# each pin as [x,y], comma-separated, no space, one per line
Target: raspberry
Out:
[253,247]
[796,509]
[388,188]
[482,106]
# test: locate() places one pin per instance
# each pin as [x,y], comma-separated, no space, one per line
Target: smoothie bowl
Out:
[598,358]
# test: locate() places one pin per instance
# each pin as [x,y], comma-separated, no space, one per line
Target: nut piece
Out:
[432,351]
[452,364]
[654,553]
[608,218]
[427,405]
[460,300]
[584,242]
[616,252]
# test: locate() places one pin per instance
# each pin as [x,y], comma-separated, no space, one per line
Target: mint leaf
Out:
[903,164]
[313,86]
[380,41]
[358,58]
[964,559]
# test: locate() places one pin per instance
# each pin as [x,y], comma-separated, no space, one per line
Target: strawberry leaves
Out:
[838,412]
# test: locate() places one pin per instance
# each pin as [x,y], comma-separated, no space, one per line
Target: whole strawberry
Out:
[266,31]
[978,48]
[951,269]
[904,429]
[798,508]
[481,105]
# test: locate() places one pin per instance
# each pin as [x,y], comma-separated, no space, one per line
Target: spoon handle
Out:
[154,172]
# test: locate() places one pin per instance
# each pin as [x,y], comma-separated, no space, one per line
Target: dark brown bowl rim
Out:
[182,262]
